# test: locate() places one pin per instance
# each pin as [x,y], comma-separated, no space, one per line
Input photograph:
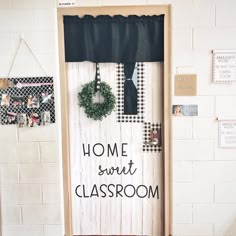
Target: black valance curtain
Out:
[114,39]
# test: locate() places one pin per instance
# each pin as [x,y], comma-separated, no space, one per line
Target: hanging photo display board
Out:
[224,65]
[116,162]
[27,102]
[227,134]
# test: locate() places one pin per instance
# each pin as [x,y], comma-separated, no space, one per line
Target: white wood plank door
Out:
[129,203]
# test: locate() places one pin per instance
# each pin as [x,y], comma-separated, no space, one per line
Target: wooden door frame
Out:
[117,10]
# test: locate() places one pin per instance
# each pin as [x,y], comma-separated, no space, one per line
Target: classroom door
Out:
[117,163]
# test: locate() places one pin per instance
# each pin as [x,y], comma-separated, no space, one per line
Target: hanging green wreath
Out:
[93,109]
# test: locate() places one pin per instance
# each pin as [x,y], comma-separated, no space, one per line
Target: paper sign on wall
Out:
[186,85]
[66,3]
[227,134]
[224,65]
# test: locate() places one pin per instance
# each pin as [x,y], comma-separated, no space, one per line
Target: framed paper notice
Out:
[224,65]
[227,134]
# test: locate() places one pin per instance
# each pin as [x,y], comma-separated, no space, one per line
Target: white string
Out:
[17,50]
[14,58]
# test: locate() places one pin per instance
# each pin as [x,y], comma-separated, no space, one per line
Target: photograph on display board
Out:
[47,97]
[32,101]
[22,120]
[5,100]
[10,118]
[45,118]
[18,101]
[33,119]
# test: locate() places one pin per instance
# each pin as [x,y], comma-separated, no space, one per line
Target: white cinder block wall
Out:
[31,202]
[204,176]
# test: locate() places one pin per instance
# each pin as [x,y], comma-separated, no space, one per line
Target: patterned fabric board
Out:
[152,137]
[140,72]
[31,103]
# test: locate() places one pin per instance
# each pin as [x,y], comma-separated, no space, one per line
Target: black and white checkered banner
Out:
[139,71]
[151,131]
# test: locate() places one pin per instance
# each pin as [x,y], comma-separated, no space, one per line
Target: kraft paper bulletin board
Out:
[134,197]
